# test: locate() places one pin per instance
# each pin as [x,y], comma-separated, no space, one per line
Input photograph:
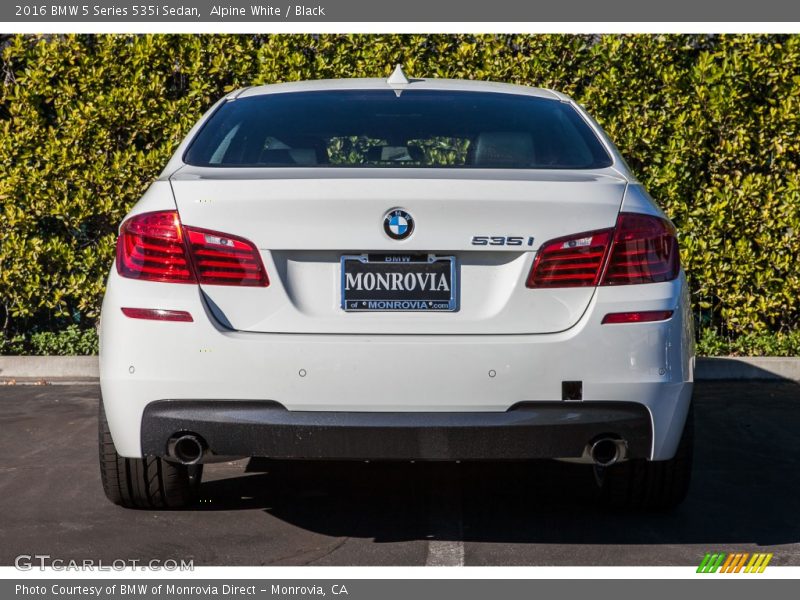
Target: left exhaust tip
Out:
[186,448]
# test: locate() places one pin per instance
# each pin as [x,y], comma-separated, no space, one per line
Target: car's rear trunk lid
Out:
[304,220]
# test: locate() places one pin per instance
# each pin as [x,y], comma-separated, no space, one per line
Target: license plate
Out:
[399,283]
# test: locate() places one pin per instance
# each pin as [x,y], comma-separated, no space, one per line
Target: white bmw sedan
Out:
[396,270]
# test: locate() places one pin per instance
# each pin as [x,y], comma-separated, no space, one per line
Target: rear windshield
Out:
[382,128]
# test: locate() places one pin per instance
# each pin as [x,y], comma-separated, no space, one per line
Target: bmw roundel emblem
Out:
[398,224]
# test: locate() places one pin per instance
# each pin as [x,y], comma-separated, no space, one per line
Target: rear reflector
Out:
[153,246]
[640,249]
[158,314]
[646,316]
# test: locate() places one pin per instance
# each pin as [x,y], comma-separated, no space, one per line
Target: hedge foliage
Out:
[711,124]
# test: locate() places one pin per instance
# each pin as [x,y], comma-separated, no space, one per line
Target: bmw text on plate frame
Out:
[310,240]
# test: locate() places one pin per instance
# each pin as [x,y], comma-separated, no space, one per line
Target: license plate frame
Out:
[440,301]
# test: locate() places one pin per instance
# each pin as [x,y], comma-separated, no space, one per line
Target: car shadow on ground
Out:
[745,488]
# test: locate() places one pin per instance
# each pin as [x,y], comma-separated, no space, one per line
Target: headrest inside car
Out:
[503,149]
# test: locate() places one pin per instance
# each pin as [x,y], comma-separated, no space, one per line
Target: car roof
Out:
[463,85]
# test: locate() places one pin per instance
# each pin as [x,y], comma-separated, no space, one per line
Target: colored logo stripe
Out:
[710,563]
[758,563]
[734,563]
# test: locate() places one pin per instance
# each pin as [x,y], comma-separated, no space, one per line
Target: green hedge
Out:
[711,124]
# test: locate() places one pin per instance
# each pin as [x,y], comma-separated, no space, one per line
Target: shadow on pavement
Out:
[745,488]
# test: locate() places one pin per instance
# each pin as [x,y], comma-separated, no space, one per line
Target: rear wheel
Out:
[150,482]
[650,485]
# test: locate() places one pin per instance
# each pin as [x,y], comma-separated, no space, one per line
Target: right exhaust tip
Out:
[187,448]
[607,451]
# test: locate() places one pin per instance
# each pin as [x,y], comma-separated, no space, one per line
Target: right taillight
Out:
[156,247]
[640,249]
[574,261]
[645,250]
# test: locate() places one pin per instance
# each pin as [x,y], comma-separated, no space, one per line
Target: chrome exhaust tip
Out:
[607,451]
[186,448]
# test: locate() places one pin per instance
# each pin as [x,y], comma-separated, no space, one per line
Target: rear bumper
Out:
[527,431]
[147,362]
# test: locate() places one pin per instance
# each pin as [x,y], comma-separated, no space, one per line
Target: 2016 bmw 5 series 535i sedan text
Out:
[396,270]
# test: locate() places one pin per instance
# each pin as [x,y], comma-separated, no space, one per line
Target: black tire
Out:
[150,482]
[650,485]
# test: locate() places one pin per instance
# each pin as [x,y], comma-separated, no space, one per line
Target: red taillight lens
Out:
[150,247]
[645,250]
[221,259]
[574,261]
[644,316]
[153,246]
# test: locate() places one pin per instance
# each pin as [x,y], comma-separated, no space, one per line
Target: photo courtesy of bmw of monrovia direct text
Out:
[350,300]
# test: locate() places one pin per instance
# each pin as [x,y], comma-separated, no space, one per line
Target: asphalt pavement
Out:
[745,497]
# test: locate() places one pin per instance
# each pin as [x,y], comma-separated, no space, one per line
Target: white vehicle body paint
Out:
[291,343]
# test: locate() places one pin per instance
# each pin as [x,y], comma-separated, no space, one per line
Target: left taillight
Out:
[222,259]
[156,247]
[151,247]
